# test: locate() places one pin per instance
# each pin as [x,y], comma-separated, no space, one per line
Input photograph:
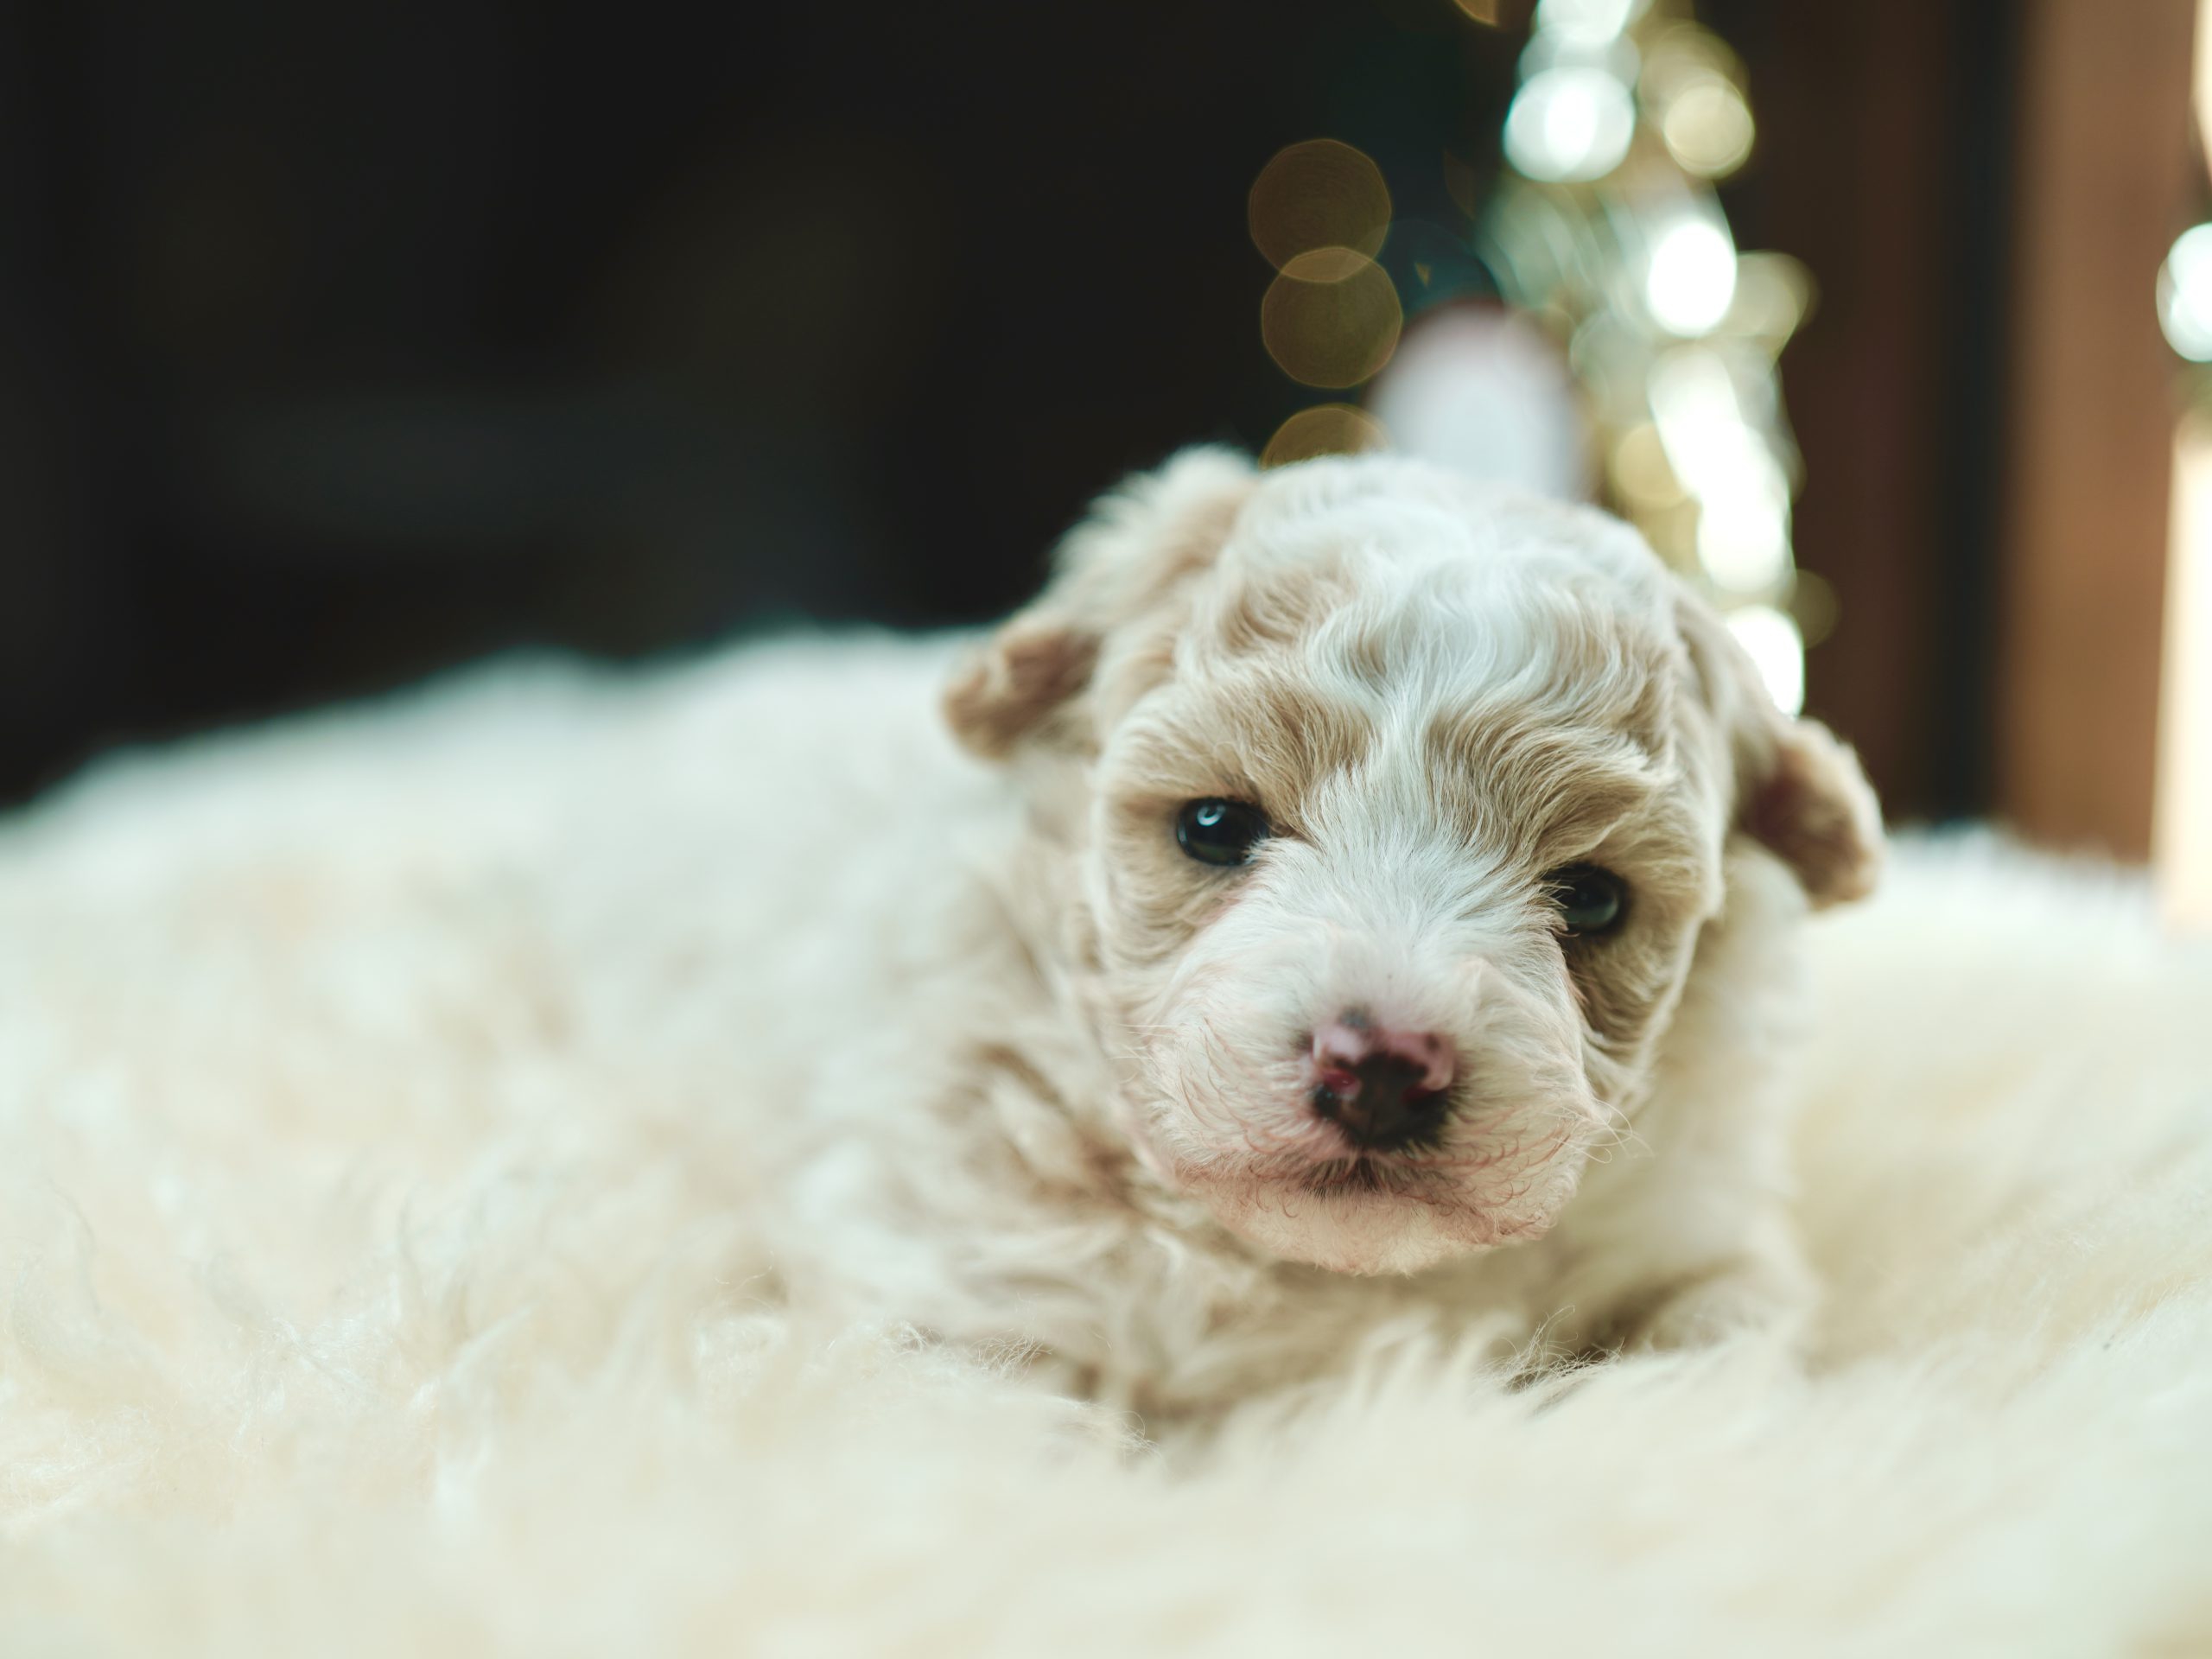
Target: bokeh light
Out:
[1743,495]
[1709,128]
[1607,229]
[1324,429]
[1777,650]
[1693,84]
[1814,607]
[1331,318]
[1774,296]
[1320,193]
[1570,123]
[1586,24]
[1327,265]
[1690,276]
[1640,474]
[2185,294]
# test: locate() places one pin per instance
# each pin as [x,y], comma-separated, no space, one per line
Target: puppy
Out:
[1363,908]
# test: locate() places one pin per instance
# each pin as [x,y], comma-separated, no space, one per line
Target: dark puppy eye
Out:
[1591,902]
[1220,832]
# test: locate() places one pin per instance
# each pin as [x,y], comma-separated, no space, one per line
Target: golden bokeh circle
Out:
[1326,264]
[1324,429]
[1332,319]
[1318,194]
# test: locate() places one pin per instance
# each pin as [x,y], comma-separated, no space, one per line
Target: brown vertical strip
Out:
[1850,177]
[2100,194]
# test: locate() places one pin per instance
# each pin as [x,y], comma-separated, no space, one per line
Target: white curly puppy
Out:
[1373,913]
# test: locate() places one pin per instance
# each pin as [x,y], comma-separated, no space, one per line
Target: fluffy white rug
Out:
[373,1279]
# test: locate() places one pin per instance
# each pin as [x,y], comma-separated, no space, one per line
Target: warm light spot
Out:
[1774,295]
[1324,429]
[1318,194]
[1570,123]
[1690,276]
[1814,606]
[1771,640]
[1334,331]
[1483,11]
[1326,265]
[1707,128]
[1695,83]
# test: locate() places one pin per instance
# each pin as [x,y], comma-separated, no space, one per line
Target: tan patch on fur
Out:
[1133,557]
[1518,778]
[1799,791]
[1007,690]
[1815,811]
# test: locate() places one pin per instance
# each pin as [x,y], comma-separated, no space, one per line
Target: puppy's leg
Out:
[1679,1246]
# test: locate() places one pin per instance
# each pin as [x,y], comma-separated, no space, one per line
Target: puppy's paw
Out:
[1770,1298]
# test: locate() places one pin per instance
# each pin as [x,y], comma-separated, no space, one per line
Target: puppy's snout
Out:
[1382,1087]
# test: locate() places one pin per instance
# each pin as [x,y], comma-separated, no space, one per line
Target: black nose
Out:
[1388,1105]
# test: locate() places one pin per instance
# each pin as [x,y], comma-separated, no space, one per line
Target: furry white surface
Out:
[358,1298]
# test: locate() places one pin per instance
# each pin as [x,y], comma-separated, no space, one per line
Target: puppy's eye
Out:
[1591,901]
[1220,832]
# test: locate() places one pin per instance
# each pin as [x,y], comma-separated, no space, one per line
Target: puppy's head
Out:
[1397,806]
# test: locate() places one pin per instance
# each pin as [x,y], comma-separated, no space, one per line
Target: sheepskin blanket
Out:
[363,1288]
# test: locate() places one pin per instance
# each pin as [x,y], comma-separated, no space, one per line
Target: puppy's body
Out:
[1021,1073]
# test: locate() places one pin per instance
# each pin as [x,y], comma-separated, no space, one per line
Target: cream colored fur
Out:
[444,1207]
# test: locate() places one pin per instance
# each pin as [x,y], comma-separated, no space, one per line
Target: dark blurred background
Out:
[341,344]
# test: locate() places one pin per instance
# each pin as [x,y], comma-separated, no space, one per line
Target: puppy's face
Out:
[1400,808]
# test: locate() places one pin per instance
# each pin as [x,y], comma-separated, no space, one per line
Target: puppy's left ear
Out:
[1799,790]
[1139,545]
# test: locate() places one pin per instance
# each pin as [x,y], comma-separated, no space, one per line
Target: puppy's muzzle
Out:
[1385,1090]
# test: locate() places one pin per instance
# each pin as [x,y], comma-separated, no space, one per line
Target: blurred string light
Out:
[1689,275]
[1606,228]
[1570,123]
[1604,233]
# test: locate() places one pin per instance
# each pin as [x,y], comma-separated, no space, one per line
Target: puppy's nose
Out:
[1383,1088]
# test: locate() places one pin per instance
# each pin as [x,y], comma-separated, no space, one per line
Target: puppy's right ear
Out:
[1799,790]
[1140,544]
